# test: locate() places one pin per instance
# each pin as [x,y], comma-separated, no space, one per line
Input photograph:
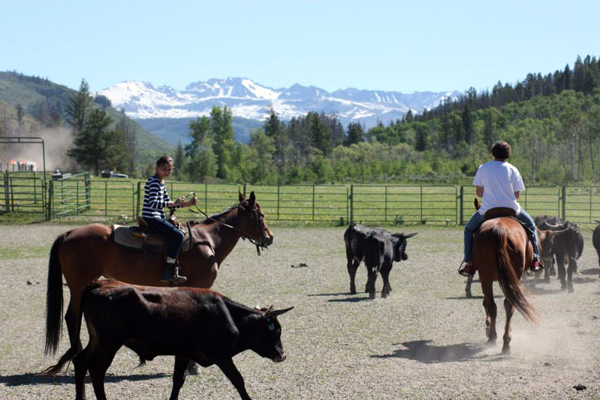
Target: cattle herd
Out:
[203,326]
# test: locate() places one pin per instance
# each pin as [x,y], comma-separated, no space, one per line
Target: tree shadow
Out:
[423,351]
[37,379]
[330,294]
[582,279]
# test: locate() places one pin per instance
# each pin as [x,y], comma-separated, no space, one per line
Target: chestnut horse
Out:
[87,253]
[502,252]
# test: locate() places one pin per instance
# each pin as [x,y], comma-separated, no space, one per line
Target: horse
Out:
[502,252]
[87,253]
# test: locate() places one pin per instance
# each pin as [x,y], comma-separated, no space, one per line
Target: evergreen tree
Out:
[179,161]
[422,136]
[263,147]
[275,129]
[224,139]
[128,132]
[202,165]
[78,107]
[20,114]
[355,134]
[319,133]
[467,120]
[93,142]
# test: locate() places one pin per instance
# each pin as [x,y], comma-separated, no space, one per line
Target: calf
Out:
[379,249]
[190,323]
[567,247]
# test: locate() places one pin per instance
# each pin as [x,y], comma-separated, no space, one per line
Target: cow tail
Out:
[509,280]
[54,298]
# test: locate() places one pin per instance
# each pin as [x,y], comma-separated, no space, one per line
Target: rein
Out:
[242,234]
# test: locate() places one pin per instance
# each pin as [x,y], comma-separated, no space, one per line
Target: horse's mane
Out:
[219,215]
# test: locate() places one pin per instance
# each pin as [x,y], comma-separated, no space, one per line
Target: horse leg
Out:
[352,266]
[468,286]
[510,310]
[490,310]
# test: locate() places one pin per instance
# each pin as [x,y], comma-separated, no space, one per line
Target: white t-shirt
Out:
[500,181]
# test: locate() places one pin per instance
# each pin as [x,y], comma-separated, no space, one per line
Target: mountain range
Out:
[170,109]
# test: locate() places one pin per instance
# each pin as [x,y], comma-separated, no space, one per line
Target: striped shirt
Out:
[155,198]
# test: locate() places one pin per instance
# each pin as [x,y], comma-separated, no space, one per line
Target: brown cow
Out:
[190,323]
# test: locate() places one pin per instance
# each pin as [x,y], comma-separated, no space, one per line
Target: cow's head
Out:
[399,241]
[267,336]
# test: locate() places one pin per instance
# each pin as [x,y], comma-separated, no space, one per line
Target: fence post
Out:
[50,197]
[313,204]
[386,201]
[278,200]
[137,203]
[6,192]
[461,200]
[351,198]
[421,206]
[564,203]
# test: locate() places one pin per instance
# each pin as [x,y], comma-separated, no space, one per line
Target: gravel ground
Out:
[426,341]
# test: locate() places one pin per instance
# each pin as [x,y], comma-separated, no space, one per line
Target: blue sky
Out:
[403,46]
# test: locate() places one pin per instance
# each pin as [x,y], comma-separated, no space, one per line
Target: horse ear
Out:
[252,199]
[242,198]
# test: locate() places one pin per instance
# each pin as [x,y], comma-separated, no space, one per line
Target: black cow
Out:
[596,240]
[379,249]
[567,247]
[190,323]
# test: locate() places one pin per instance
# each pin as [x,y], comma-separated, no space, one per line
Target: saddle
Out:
[499,212]
[142,237]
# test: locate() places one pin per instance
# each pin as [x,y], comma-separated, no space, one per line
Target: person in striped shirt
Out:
[156,199]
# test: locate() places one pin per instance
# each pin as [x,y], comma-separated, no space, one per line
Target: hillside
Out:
[31,92]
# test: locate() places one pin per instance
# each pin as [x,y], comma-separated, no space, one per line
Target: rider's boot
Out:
[170,273]
[467,269]
[536,264]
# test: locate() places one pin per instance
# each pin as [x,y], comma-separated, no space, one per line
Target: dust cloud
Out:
[56,143]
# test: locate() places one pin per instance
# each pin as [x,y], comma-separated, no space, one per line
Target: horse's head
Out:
[253,221]
[399,240]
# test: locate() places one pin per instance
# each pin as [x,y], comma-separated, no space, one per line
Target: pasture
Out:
[425,341]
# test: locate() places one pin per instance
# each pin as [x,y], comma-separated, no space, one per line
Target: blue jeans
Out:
[174,236]
[477,219]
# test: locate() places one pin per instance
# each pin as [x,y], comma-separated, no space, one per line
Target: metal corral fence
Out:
[22,192]
[82,197]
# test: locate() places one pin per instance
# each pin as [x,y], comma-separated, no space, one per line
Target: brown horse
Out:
[87,253]
[502,252]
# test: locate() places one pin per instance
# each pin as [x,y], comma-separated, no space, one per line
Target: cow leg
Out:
[385,275]
[490,310]
[560,263]
[98,362]
[352,266]
[181,364]
[371,278]
[572,269]
[510,310]
[232,373]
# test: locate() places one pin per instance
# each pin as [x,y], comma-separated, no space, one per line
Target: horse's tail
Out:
[509,280]
[54,298]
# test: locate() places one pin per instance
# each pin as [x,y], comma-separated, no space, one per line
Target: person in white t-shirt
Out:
[499,184]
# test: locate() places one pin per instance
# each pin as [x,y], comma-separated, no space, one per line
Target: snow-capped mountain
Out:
[250,100]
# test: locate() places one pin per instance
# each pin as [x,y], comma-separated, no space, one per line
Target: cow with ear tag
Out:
[190,323]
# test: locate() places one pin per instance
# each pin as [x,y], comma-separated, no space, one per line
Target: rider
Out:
[155,199]
[499,184]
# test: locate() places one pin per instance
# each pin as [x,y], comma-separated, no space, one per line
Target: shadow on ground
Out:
[423,351]
[35,379]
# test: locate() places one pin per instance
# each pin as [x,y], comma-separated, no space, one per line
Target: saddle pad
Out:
[130,237]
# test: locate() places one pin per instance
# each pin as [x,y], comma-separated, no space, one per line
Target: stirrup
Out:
[467,270]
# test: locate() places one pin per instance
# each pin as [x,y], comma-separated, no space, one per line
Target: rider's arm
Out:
[517,194]
[479,190]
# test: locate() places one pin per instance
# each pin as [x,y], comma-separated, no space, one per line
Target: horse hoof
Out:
[491,343]
[372,296]
[546,280]
[571,290]
[192,368]
[469,295]
[506,350]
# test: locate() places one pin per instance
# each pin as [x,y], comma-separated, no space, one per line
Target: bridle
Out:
[244,235]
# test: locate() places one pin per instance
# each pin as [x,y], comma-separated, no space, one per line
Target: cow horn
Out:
[409,235]
[597,221]
[257,307]
[553,226]
[275,313]
[554,233]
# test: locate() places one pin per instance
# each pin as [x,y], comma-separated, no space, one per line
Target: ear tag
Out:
[271,327]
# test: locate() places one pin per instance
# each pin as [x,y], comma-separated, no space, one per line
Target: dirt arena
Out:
[426,341]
